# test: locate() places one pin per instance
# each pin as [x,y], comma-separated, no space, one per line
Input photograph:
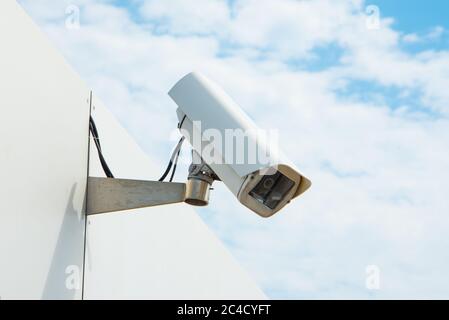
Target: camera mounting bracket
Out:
[110,195]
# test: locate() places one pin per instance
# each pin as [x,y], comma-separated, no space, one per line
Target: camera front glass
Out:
[272,189]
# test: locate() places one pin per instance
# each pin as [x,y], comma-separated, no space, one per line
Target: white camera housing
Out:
[265,186]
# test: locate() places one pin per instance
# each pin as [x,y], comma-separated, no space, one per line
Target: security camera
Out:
[228,146]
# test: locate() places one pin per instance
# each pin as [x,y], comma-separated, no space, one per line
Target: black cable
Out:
[182,122]
[179,151]
[172,158]
[96,137]
[175,165]
[172,163]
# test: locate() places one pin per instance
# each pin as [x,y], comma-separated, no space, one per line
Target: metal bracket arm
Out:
[109,195]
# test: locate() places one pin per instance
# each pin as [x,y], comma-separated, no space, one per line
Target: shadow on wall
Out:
[64,279]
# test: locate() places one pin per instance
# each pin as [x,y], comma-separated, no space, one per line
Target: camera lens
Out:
[268,183]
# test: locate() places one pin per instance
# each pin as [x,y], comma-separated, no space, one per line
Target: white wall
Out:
[44,110]
[160,252]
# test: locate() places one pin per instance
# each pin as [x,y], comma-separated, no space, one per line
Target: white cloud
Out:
[436,32]
[411,38]
[379,173]
[181,17]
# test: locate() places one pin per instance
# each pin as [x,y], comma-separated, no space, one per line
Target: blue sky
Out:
[363,111]
[415,15]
